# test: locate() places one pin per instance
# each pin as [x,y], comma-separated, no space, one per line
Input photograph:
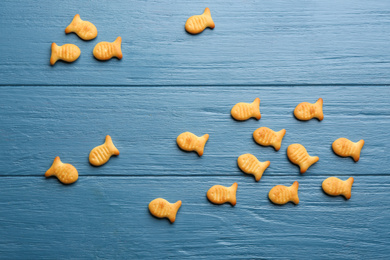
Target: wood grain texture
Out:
[168,82]
[254,42]
[40,123]
[108,218]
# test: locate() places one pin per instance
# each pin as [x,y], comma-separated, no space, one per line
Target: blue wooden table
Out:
[168,82]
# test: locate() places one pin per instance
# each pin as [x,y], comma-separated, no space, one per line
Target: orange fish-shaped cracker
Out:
[66,52]
[344,147]
[243,111]
[65,172]
[281,194]
[298,155]
[306,111]
[107,50]
[334,186]
[249,164]
[197,23]
[102,153]
[190,142]
[84,29]
[219,194]
[161,208]
[267,137]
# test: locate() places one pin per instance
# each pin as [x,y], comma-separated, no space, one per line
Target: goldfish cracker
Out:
[66,52]
[161,208]
[267,137]
[281,194]
[243,111]
[306,111]
[189,142]
[219,194]
[65,172]
[84,29]
[249,164]
[102,153]
[197,23]
[297,154]
[108,50]
[334,186]
[344,148]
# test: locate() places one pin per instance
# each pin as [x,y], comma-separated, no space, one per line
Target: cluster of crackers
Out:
[187,141]
[86,31]
[264,136]
[68,174]
[107,50]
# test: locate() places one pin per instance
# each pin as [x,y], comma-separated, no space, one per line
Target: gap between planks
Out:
[188,176]
[203,85]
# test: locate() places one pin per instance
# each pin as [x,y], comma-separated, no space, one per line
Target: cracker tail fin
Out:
[70,28]
[206,137]
[54,53]
[294,189]
[359,146]
[312,160]
[262,168]
[57,162]
[256,108]
[203,141]
[210,21]
[279,139]
[266,164]
[303,168]
[320,112]
[118,43]
[349,183]
[233,191]
[175,208]
[111,145]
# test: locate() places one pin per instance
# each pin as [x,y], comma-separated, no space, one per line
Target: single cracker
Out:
[189,142]
[243,111]
[249,164]
[344,148]
[219,194]
[65,172]
[334,186]
[67,52]
[84,29]
[306,111]
[102,153]
[281,194]
[108,50]
[297,154]
[161,208]
[267,137]
[197,23]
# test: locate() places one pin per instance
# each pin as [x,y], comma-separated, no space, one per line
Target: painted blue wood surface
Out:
[104,214]
[254,42]
[108,218]
[40,123]
[284,52]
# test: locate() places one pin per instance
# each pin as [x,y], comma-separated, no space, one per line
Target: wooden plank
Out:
[254,42]
[107,217]
[38,124]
